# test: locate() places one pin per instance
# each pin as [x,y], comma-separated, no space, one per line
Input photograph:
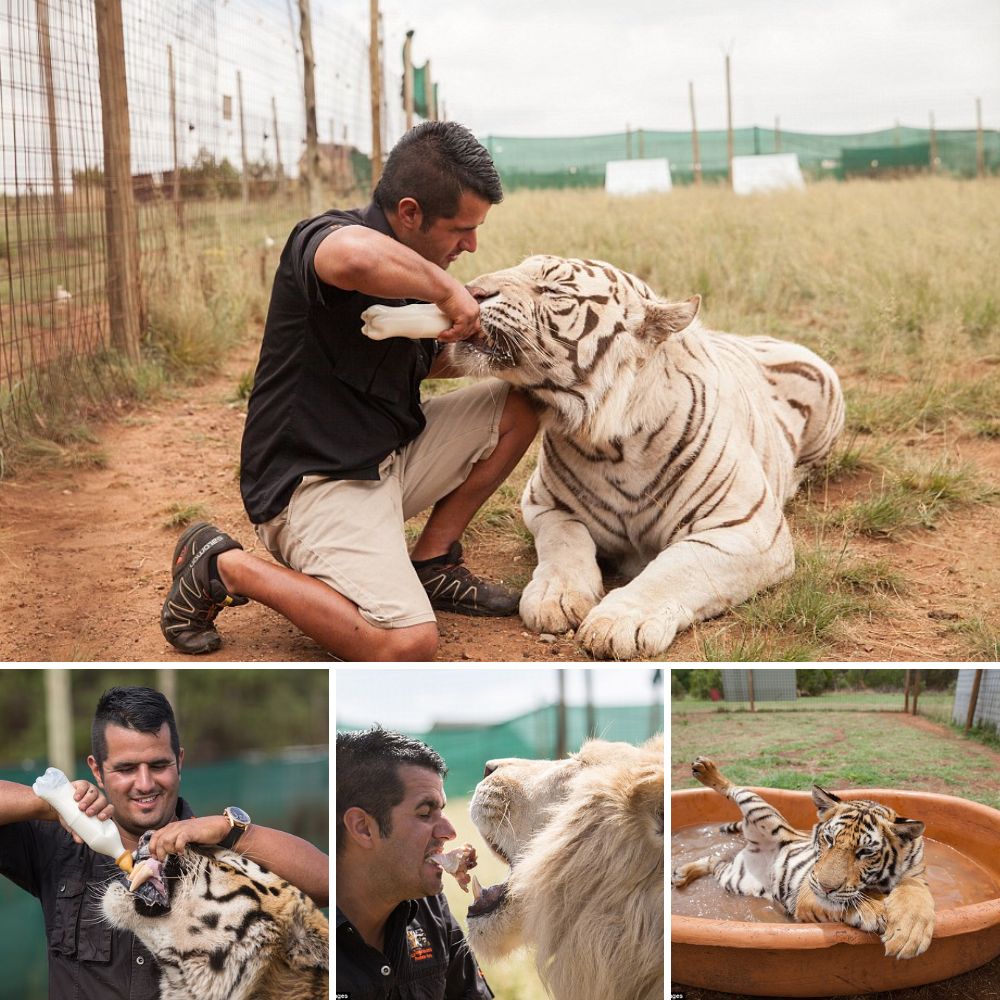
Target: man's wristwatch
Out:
[238,823]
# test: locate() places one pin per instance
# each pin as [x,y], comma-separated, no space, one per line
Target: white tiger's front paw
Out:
[551,604]
[610,633]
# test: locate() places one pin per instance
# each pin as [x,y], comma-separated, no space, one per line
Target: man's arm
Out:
[291,857]
[18,804]
[359,259]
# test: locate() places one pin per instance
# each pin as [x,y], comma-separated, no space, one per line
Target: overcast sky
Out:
[414,698]
[582,67]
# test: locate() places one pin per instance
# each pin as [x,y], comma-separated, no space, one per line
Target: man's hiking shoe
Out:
[451,587]
[196,595]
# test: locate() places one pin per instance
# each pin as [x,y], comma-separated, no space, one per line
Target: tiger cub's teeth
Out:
[477,889]
[141,873]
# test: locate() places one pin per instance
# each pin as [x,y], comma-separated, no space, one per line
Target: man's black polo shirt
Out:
[88,959]
[326,400]
[426,957]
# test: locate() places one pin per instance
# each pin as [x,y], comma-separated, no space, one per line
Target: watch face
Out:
[238,814]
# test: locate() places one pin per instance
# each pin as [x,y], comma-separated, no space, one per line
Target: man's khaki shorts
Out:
[349,533]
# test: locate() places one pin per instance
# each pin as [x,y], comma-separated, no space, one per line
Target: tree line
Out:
[698,684]
[220,713]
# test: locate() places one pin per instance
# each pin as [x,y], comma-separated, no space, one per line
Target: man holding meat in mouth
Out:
[136,762]
[396,937]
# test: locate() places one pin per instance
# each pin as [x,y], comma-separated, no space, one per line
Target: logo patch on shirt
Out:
[420,947]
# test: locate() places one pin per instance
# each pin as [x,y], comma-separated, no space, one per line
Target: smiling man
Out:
[338,447]
[137,762]
[396,937]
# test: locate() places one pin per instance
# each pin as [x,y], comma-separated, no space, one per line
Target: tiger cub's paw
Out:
[909,925]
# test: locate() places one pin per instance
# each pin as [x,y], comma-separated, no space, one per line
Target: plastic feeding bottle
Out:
[99,835]
[419,321]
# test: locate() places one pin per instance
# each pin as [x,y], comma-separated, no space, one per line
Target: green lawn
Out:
[834,749]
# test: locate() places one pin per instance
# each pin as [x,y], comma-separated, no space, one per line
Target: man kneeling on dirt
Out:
[338,450]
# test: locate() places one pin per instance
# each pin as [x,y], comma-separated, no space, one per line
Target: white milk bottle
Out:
[101,836]
[418,321]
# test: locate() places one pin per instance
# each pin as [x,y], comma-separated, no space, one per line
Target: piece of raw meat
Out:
[458,863]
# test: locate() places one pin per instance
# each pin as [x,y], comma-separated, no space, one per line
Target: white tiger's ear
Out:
[666,319]
[824,800]
[908,829]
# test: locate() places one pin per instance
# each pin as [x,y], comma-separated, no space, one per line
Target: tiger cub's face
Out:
[553,324]
[862,846]
[228,930]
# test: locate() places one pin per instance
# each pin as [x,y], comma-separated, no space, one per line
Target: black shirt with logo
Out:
[326,400]
[88,959]
[426,957]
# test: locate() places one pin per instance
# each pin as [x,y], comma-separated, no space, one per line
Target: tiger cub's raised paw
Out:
[708,774]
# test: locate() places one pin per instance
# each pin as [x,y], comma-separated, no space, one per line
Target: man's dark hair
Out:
[138,708]
[368,773]
[434,163]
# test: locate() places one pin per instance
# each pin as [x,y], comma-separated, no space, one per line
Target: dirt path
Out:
[84,556]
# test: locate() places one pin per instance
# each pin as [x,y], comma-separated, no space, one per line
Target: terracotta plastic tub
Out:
[811,960]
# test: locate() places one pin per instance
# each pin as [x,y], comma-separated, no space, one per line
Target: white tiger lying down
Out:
[223,928]
[861,864]
[667,450]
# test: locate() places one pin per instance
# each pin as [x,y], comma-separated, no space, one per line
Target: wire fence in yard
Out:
[928,693]
[213,116]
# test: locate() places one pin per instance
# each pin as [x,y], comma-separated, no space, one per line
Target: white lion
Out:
[668,450]
[584,841]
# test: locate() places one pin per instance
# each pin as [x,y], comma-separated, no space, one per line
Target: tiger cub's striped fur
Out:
[668,449]
[861,864]
[232,931]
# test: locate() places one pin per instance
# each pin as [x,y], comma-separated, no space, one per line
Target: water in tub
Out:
[954,879]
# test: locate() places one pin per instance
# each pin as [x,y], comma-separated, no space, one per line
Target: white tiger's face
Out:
[562,328]
[230,930]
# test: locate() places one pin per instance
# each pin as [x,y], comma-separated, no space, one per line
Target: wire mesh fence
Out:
[216,113]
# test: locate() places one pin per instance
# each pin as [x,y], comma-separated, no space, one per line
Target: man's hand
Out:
[463,311]
[91,801]
[174,837]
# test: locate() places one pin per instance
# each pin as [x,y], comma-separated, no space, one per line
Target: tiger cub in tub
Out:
[861,864]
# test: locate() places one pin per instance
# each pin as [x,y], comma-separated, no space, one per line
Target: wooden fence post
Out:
[729,124]
[980,148]
[408,79]
[916,690]
[311,174]
[750,687]
[45,57]
[906,693]
[933,146]
[245,163]
[175,193]
[121,235]
[695,151]
[279,166]
[375,74]
[973,700]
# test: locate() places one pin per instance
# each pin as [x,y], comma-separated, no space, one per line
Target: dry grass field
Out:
[898,538]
